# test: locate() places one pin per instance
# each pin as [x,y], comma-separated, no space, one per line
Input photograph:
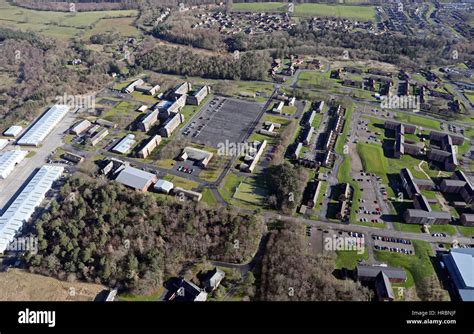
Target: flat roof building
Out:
[44,125]
[202,157]
[422,217]
[23,207]
[136,178]
[125,145]
[467,219]
[460,263]
[8,161]
[13,131]
[163,186]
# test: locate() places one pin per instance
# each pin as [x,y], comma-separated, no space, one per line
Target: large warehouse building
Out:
[460,264]
[43,126]
[23,207]
[8,161]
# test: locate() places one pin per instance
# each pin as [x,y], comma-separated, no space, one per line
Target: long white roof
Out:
[43,126]
[23,207]
[8,161]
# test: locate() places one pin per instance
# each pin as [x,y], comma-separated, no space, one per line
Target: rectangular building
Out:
[23,207]
[44,125]
[136,178]
[8,161]
[13,131]
[149,147]
[171,124]
[408,183]
[198,96]
[201,157]
[148,121]
[98,137]
[131,87]
[80,127]
[125,145]
[421,217]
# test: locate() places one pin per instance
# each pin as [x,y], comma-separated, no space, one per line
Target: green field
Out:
[349,259]
[60,25]
[373,159]
[181,182]
[208,197]
[362,13]
[418,120]
[357,12]
[250,193]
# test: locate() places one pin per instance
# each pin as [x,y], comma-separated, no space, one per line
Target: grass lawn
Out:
[229,185]
[308,80]
[167,163]
[466,231]
[250,193]
[363,13]
[349,259]
[181,182]
[373,159]
[448,229]
[208,197]
[418,266]
[123,113]
[322,191]
[148,298]
[418,120]
[413,228]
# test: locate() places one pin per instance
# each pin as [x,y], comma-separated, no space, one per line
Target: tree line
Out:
[290,273]
[104,233]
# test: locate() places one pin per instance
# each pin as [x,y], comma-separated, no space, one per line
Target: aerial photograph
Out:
[228,158]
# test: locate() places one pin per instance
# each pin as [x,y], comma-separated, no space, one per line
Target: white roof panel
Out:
[13,131]
[8,161]
[23,207]
[43,126]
